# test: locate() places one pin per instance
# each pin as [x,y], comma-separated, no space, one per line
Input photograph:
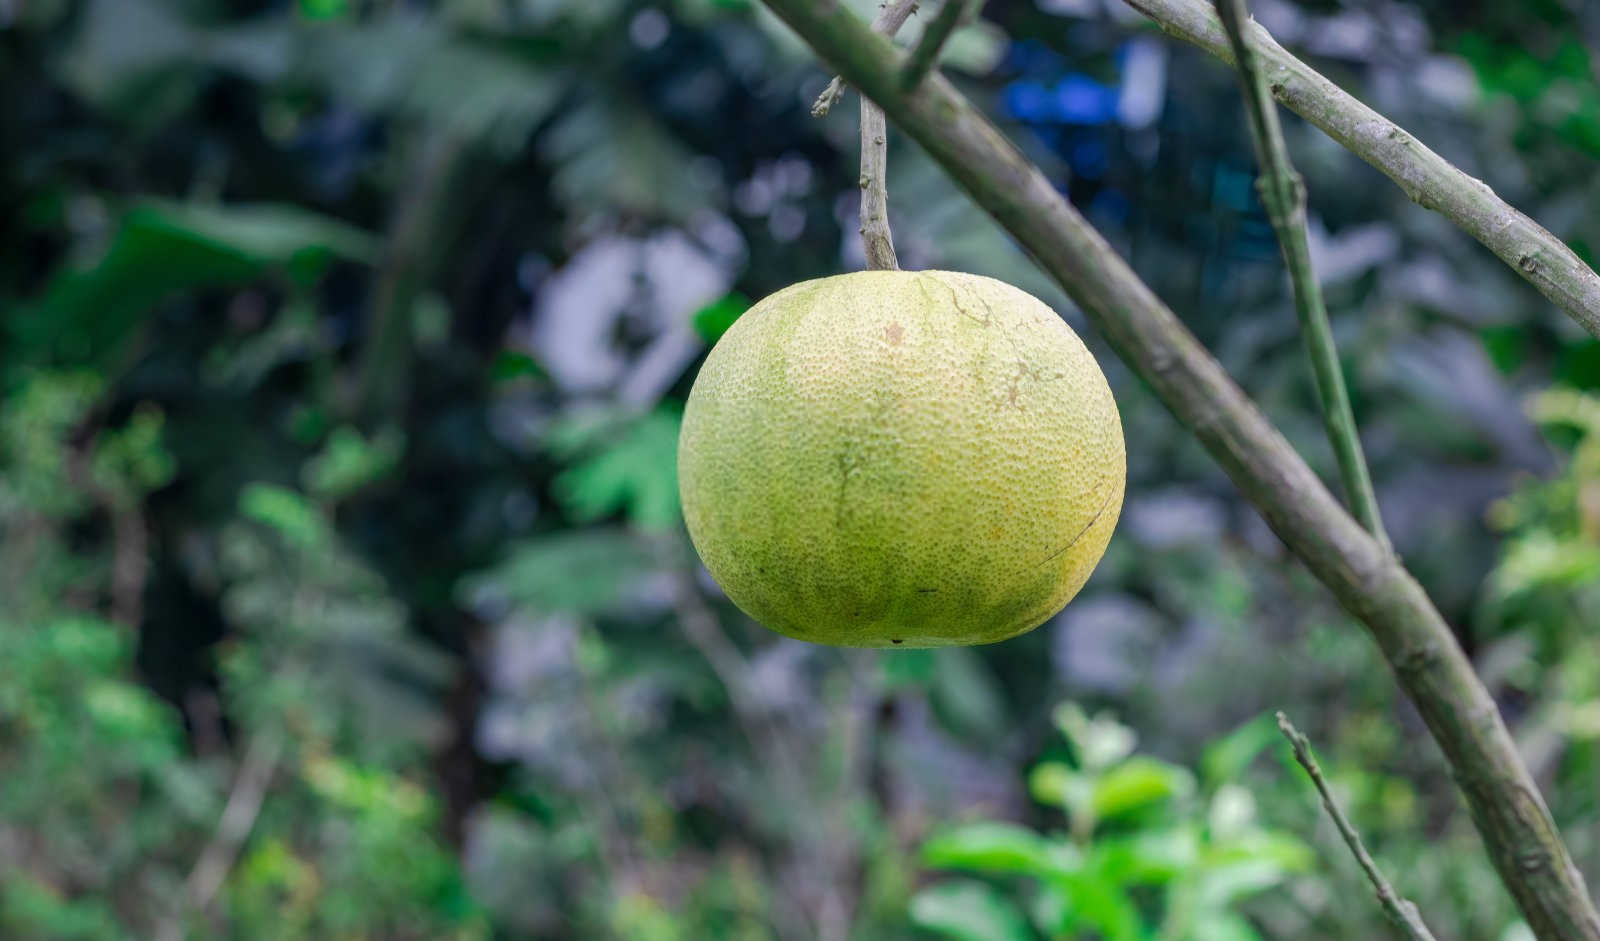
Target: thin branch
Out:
[926,52]
[1283,192]
[1427,178]
[238,817]
[1402,912]
[891,16]
[1367,580]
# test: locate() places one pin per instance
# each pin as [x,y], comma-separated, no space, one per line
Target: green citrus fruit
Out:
[916,458]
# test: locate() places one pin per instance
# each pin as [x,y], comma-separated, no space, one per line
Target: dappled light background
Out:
[343,585]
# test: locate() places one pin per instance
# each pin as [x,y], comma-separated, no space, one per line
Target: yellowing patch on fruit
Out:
[901,458]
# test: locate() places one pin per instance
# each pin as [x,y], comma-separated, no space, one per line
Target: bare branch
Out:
[1283,192]
[238,817]
[1403,913]
[1427,178]
[1368,581]
[891,16]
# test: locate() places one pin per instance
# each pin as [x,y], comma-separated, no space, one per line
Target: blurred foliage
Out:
[342,349]
[1137,829]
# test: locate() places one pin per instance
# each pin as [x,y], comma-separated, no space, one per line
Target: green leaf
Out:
[714,319]
[1227,758]
[968,911]
[1098,905]
[1136,784]
[86,643]
[636,472]
[123,711]
[350,461]
[34,908]
[514,364]
[1286,851]
[1100,741]
[131,461]
[1223,926]
[403,64]
[295,518]
[1147,857]
[609,155]
[324,9]
[581,572]
[1053,783]
[164,249]
[409,65]
[1221,887]
[992,846]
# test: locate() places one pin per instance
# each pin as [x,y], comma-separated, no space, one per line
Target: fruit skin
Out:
[901,458]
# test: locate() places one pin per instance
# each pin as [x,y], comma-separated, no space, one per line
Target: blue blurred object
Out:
[1080,99]
[1075,99]
[1027,101]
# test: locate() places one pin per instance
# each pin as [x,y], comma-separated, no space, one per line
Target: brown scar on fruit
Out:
[893,333]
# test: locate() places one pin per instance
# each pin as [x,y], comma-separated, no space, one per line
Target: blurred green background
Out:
[343,592]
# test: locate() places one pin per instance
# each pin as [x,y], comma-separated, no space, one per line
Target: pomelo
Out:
[901,458]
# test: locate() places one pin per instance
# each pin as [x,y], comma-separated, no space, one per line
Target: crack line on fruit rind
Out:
[990,320]
[1081,533]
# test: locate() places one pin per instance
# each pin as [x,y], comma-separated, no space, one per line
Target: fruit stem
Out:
[876,239]
[1283,193]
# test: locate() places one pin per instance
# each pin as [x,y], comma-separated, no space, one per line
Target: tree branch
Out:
[1367,580]
[1402,912]
[1427,178]
[238,817]
[891,16]
[926,53]
[1283,192]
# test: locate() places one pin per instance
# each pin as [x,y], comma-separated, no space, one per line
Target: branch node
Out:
[832,93]
[891,16]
